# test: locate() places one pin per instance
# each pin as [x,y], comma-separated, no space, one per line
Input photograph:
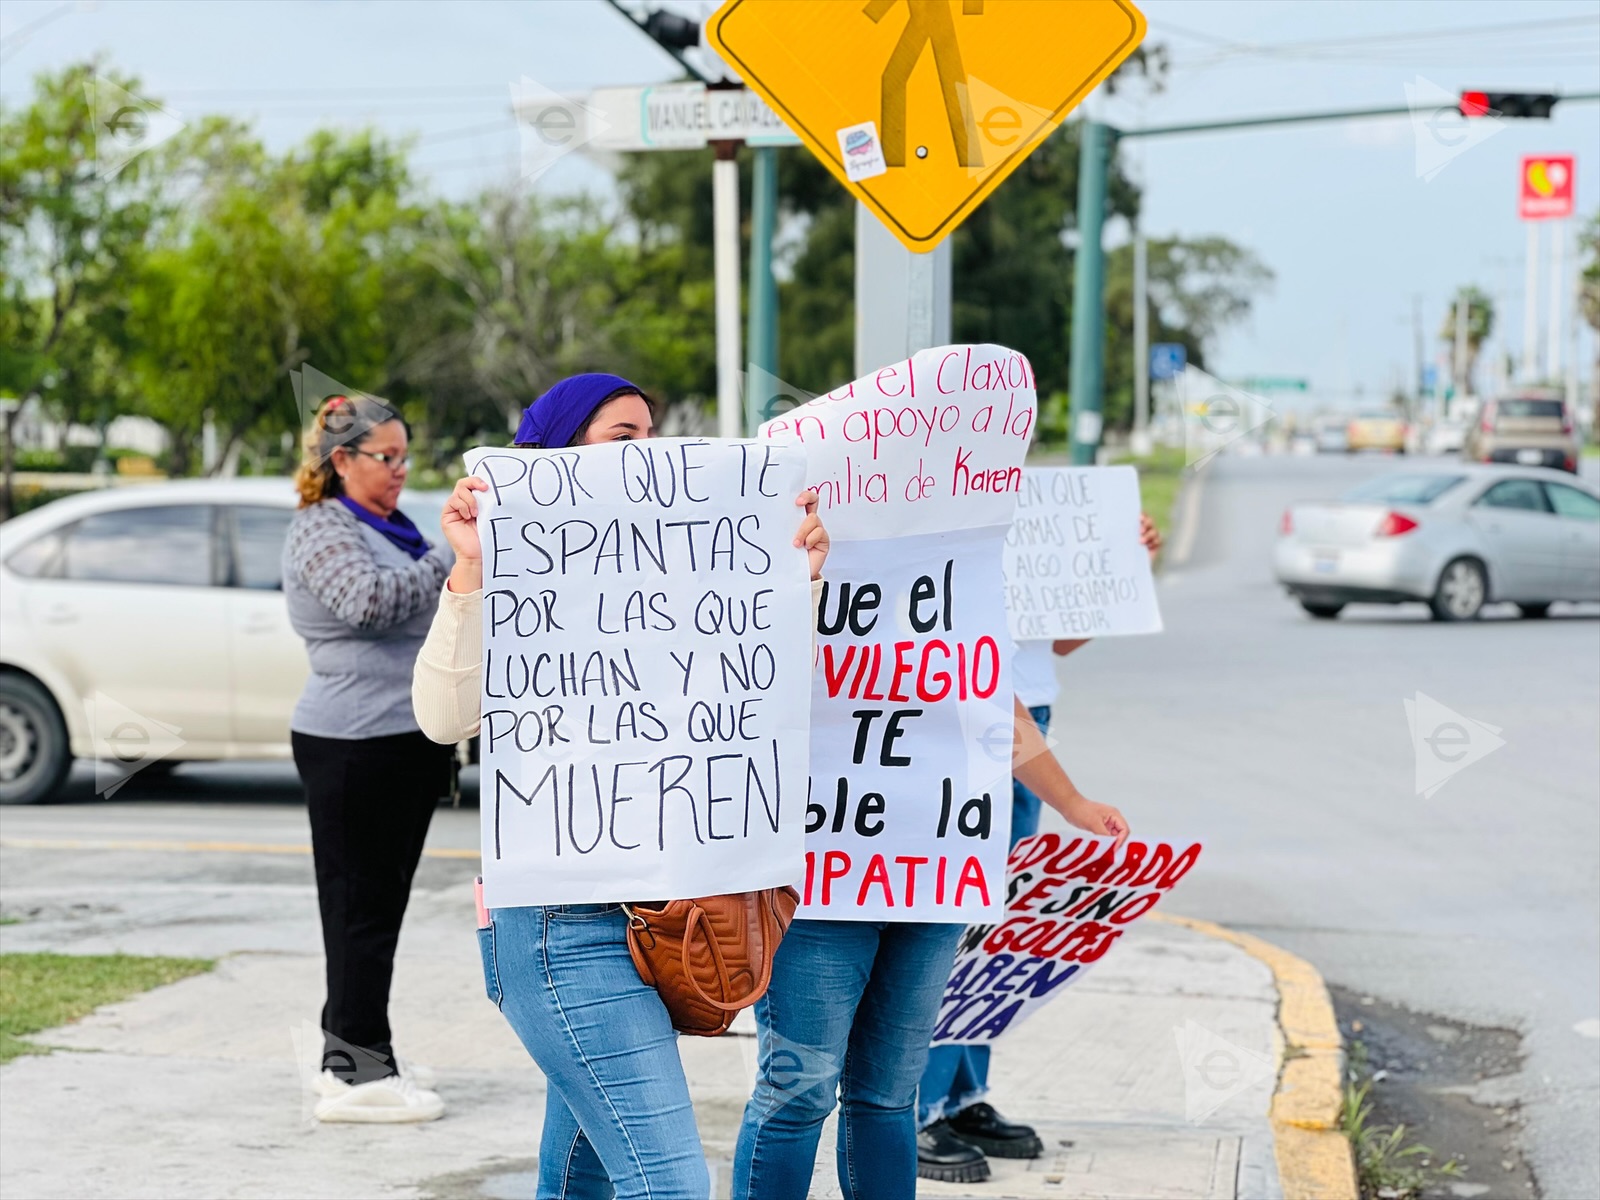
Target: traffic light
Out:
[1507,104]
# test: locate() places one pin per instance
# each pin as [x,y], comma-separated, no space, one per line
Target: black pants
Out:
[370,801]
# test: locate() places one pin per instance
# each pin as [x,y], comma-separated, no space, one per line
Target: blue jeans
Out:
[617,1118]
[958,1076]
[849,1014]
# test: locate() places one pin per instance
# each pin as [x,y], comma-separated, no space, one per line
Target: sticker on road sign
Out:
[863,153]
[959,91]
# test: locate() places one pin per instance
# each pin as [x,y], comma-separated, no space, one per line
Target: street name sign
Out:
[922,107]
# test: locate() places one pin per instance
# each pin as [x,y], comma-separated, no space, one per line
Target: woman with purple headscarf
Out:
[618,1121]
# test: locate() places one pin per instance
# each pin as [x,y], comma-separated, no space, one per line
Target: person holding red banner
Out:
[957,1128]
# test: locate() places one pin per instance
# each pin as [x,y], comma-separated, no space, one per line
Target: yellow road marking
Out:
[11,843]
[1314,1160]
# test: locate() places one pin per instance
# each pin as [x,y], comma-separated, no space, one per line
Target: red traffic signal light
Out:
[1528,105]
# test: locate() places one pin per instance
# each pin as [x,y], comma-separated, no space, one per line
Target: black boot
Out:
[946,1158]
[979,1125]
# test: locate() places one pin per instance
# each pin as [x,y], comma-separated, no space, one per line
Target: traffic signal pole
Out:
[1096,144]
[1086,382]
[761,333]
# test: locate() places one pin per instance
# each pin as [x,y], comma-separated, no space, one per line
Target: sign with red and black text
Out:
[1068,901]
[917,468]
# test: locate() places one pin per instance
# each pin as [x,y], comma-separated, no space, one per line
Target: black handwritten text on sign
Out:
[1074,566]
[646,632]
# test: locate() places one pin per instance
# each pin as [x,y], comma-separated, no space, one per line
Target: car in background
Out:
[1454,538]
[1331,434]
[1443,436]
[157,610]
[1532,428]
[1376,430]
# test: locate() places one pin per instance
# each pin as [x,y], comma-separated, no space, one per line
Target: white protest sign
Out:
[1074,566]
[647,630]
[1067,903]
[917,468]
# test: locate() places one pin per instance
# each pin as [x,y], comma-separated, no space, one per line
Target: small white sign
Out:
[861,151]
[1073,562]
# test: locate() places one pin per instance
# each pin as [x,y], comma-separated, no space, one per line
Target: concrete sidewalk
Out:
[194,1089]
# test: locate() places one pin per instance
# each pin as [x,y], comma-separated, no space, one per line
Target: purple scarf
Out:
[397,527]
[553,420]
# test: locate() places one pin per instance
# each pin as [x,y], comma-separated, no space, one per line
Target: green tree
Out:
[1480,324]
[69,238]
[1589,304]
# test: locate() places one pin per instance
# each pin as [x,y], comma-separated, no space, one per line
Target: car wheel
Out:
[1534,612]
[1463,588]
[1323,612]
[34,753]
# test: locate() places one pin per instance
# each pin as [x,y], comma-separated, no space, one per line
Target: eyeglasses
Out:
[395,462]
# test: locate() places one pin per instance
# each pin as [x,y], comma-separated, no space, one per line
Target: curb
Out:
[1314,1160]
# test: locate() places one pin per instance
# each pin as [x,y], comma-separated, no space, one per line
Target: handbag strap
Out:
[768,920]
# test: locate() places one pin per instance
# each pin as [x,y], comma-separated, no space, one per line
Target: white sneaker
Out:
[395,1099]
[420,1075]
[329,1085]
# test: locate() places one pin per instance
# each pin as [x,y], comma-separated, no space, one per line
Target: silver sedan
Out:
[1454,538]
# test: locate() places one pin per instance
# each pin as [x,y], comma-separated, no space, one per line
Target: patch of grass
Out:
[7,919]
[41,991]
[1387,1166]
[1592,450]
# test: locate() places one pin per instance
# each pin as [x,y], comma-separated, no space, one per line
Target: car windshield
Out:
[1551,409]
[1403,489]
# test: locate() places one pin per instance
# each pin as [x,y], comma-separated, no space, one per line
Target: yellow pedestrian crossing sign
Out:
[922,107]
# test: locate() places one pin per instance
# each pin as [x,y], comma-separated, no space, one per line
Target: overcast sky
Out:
[1337,211]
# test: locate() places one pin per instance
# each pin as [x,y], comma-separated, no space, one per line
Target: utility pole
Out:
[1530,308]
[1552,353]
[1458,364]
[1418,379]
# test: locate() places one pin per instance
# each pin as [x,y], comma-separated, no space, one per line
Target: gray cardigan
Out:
[363,606]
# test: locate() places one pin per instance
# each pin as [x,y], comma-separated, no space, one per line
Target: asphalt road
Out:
[1282,743]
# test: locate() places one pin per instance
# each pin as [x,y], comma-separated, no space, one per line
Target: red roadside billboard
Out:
[1547,187]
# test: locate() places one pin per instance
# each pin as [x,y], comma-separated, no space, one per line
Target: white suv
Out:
[156,611]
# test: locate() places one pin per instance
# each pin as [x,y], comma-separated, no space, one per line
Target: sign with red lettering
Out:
[1548,187]
[1068,901]
[917,468]
[1074,566]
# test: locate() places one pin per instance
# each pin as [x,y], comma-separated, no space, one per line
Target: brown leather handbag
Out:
[711,956]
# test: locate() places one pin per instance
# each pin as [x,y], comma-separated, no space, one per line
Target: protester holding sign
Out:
[362,584]
[915,730]
[628,625]
[956,1126]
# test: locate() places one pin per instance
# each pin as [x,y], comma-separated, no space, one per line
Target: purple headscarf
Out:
[553,420]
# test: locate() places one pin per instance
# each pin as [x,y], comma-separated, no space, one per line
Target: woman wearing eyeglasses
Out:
[362,585]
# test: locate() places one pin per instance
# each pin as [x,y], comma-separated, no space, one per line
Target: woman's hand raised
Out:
[811,534]
[459,525]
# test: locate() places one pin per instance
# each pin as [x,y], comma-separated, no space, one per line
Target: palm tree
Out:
[1480,324]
